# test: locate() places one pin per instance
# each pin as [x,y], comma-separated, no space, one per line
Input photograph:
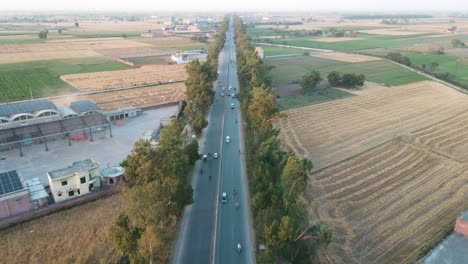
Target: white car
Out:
[222,94]
[230,87]
[232,105]
[215,155]
[224,197]
[233,95]
[228,139]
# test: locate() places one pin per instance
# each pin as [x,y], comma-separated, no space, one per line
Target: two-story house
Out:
[78,179]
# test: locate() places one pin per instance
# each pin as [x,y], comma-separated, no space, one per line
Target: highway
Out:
[210,230]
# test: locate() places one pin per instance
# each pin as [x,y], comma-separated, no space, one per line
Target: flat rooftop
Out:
[76,167]
[451,251]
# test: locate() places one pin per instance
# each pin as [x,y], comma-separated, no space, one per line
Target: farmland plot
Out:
[333,131]
[115,79]
[391,168]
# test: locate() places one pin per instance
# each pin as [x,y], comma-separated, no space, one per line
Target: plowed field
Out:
[391,168]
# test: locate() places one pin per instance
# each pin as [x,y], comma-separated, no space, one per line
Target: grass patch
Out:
[149,59]
[273,51]
[194,46]
[318,96]
[289,69]
[21,41]
[43,77]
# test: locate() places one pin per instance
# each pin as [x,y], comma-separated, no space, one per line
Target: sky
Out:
[407,6]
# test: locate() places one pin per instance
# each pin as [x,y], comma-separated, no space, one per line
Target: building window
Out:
[64,183]
[78,191]
[71,193]
[59,194]
[83,180]
[111,181]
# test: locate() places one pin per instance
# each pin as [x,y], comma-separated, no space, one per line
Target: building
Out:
[453,249]
[122,113]
[39,196]
[14,197]
[85,107]
[78,179]
[27,113]
[189,55]
[152,34]
[112,176]
[260,52]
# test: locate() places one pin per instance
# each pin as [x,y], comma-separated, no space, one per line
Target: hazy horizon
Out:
[239,5]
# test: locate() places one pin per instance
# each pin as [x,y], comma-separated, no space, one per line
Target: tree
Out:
[334,78]
[43,34]
[360,79]
[125,236]
[59,31]
[456,43]
[124,36]
[348,80]
[434,65]
[77,24]
[310,81]
[191,151]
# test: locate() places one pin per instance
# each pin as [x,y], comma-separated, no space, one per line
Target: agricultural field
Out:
[42,78]
[290,69]
[345,57]
[150,60]
[318,96]
[390,168]
[150,74]
[275,51]
[45,240]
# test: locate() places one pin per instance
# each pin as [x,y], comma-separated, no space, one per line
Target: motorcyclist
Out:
[239,248]
[234,190]
[237,205]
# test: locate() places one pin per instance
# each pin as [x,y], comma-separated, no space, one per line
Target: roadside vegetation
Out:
[277,179]
[199,83]
[156,190]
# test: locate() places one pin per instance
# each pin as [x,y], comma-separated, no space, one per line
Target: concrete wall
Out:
[15,204]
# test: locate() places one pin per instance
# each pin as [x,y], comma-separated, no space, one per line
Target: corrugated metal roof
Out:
[84,106]
[36,189]
[66,111]
[25,107]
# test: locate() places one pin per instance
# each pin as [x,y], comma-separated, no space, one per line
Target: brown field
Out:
[367,88]
[64,237]
[391,168]
[148,74]
[133,52]
[336,39]
[63,49]
[18,37]
[350,126]
[167,42]
[345,57]
[136,97]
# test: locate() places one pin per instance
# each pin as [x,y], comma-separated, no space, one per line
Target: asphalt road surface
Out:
[210,229]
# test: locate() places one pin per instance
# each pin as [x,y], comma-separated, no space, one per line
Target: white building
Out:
[78,179]
[189,55]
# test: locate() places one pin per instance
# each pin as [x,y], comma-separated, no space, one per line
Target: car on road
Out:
[215,155]
[228,139]
[232,105]
[222,94]
[230,87]
[204,157]
[224,197]
[233,95]
[228,93]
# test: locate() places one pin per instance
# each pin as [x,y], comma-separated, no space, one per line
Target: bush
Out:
[334,78]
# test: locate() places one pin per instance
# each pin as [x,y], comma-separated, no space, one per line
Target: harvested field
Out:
[47,55]
[167,42]
[386,203]
[391,168]
[367,88]
[136,97]
[55,238]
[345,57]
[333,131]
[148,74]
[335,39]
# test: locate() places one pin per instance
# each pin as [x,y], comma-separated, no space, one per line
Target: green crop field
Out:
[43,77]
[367,41]
[106,35]
[274,51]
[149,59]
[288,69]
[452,64]
[318,96]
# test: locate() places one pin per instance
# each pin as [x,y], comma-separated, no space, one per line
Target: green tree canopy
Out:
[310,81]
